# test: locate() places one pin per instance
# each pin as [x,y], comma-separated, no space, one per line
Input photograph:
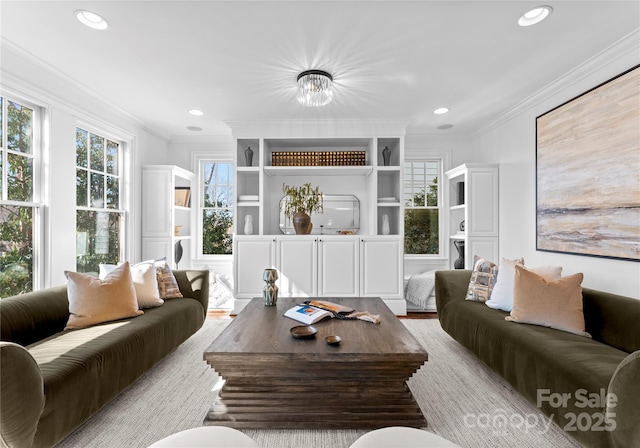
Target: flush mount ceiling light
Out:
[441,110]
[535,15]
[315,88]
[91,19]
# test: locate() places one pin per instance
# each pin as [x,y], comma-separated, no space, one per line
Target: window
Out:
[99,214]
[217,207]
[422,201]
[18,209]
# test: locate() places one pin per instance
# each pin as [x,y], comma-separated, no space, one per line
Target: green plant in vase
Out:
[299,204]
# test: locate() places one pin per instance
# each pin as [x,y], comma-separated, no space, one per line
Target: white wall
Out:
[511,142]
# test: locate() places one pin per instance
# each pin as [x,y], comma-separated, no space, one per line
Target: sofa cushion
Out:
[167,283]
[483,278]
[534,359]
[502,292]
[555,303]
[145,282]
[83,369]
[93,301]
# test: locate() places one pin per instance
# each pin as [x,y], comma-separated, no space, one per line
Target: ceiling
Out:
[238,60]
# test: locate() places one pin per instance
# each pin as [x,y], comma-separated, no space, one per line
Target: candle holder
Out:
[270,291]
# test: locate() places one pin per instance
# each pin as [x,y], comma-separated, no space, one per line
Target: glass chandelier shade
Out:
[315,88]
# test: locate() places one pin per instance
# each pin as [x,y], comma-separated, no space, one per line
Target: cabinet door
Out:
[381,269]
[157,203]
[252,256]
[296,262]
[339,267]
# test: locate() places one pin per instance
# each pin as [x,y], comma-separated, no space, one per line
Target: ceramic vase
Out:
[248,156]
[459,263]
[302,223]
[270,291]
[386,153]
[248,225]
[178,250]
[385,224]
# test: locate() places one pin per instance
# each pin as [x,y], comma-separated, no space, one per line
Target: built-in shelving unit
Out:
[376,185]
[166,224]
[473,211]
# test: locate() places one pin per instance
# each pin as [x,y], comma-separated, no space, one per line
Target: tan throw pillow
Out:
[483,277]
[167,284]
[550,303]
[144,281]
[93,301]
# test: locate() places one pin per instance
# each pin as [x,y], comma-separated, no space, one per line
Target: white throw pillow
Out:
[502,294]
[144,281]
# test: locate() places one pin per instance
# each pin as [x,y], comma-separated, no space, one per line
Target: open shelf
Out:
[318,170]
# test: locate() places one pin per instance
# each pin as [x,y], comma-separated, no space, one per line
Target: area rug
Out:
[462,400]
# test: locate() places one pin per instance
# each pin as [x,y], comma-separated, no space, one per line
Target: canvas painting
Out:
[588,172]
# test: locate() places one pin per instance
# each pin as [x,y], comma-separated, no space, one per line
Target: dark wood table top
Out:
[264,332]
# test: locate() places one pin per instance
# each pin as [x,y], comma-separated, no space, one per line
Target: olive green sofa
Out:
[539,361]
[53,380]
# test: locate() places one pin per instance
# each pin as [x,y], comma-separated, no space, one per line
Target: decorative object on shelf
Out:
[248,225]
[385,224]
[315,88]
[270,291]
[177,253]
[176,230]
[462,226]
[318,158]
[302,201]
[386,153]
[248,156]
[182,196]
[459,263]
[460,193]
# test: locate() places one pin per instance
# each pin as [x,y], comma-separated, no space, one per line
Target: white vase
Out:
[248,225]
[385,224]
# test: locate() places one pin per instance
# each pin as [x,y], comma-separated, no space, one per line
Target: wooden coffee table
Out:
[275,381]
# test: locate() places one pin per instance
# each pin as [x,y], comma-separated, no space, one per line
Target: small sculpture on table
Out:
[270,291]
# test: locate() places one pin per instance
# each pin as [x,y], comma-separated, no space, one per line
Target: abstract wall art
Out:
[588,172]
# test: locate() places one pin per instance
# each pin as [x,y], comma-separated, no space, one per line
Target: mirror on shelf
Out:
[341,215]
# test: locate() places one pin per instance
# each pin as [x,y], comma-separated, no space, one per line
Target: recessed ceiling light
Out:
[91,19]
[194,128]
[535,15]
[445,126]
[441,110]
[196,112]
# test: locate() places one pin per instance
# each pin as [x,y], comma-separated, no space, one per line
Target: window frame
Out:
[441,207]
[37,193]
[123,184]
[201,160]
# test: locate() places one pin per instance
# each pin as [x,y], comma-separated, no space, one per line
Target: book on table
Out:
[313,311]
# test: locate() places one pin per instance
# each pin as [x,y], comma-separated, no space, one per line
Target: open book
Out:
[316,310]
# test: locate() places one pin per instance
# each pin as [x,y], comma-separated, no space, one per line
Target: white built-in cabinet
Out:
[473,198]
[166,226]
[366,264]
[321,266]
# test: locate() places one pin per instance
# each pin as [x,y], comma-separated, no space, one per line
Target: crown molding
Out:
[627,46]
[317,128]
[16,83]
